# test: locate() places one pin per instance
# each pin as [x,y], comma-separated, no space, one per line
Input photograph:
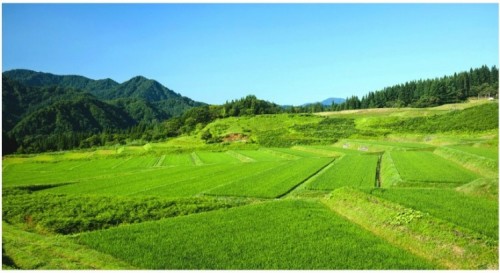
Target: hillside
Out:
[48,108]
[286,130]
[41,79]
[138,88]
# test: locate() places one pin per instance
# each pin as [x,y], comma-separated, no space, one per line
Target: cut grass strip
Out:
[436,240]
[261,155]
[30,251]
[240,157]
[281,153]
[159,162]
[318,152]
[389,175]
[196,159]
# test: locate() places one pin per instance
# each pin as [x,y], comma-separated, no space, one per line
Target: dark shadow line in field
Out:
[306,179]
[34,188]
[377,172]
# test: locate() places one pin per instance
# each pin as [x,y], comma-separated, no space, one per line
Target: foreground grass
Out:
[287,234]
[475,213]
[21,249]
[65,214]
[436,240]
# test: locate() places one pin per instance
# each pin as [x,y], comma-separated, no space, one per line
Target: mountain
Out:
[84,114]
[167,102]
[43,111]
[40,79]
[327,102]
[19,100]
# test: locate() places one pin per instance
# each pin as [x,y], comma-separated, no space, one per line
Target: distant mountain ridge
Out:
[327,102]
[137,87]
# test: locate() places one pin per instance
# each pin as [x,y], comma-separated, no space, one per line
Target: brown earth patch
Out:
[236,137]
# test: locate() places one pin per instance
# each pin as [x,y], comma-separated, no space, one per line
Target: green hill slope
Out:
[167,101]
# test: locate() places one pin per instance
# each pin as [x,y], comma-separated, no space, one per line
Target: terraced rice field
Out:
[306,207]
[428,167]
[273,182]
[275,235]
[349,170]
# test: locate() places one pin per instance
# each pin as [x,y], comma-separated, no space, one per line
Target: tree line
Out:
[479,82]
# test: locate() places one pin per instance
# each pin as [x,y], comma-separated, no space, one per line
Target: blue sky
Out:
[285,53]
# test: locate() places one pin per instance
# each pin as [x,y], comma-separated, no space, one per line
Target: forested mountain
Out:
[81,114]
[40,79]
[43,107]
[19,100]
[167,102]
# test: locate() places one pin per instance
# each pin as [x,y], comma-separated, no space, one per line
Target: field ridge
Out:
[472,162]
[196,159]
[434,239]
[239,156]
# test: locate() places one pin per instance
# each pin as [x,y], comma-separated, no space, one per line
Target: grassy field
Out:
[428,167]
[350,170]
[330,191]
[274,235]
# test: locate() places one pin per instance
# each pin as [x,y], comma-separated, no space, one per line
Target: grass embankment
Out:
[475,213]
[389,175]
[25,250]
[286,234]
[474,159]
[65,214]
[436,240]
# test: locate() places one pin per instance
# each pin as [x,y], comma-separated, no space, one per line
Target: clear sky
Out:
[285,53]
